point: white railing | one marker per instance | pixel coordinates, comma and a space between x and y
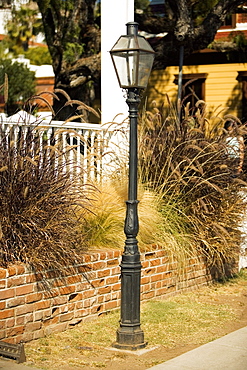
84, 146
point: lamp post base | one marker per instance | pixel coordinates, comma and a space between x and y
127, 340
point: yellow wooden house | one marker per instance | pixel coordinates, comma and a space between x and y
221, 86
216, 77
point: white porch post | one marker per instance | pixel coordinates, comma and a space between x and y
114, 16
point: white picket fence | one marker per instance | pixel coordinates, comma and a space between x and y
88, 149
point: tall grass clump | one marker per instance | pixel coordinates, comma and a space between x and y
39, 200
185, 163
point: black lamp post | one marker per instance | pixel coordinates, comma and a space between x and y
132, 57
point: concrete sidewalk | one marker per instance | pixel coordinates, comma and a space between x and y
226, 353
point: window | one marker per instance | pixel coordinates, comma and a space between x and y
230, 21
193, 87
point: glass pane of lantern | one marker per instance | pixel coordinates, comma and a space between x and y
122, 43
145, 66
144, 45
127, 68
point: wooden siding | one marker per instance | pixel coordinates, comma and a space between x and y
221, 88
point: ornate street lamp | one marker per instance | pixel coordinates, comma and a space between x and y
132, 57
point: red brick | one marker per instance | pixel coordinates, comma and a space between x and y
116, 287
104, 290
161, 291
149, 271
117, 253
25, 337
110, 254
104, 273
111, 280
155, 262
113, 262
98, 282
100, 299
23, 290
59, 300
14, 331
32, 326
16, 281
20, 269
71, 306
86, 303
34, 297
148, 295
160, 253
20, 320
75, 297
115, 271
3, 284
145, 279
8, 293
74, 279
164, 260
110, 305
58, 283
158, 285
67, 290
86, 258
149, 255
31, 278
99, 265
50, 321
29, 317
156, 277
103, 255
2, 305
41, 305
145, 264
2, 324
12, 271
10, 340
95, 257
107, 297
88, 293
67, 316
15, 301
51, 293
22, 310
2, 334
6, 313
3, 273
162, 268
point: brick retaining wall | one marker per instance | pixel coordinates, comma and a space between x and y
29, 311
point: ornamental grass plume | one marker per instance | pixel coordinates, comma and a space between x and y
39, 200
186, 163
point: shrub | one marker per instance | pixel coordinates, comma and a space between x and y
21, 83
